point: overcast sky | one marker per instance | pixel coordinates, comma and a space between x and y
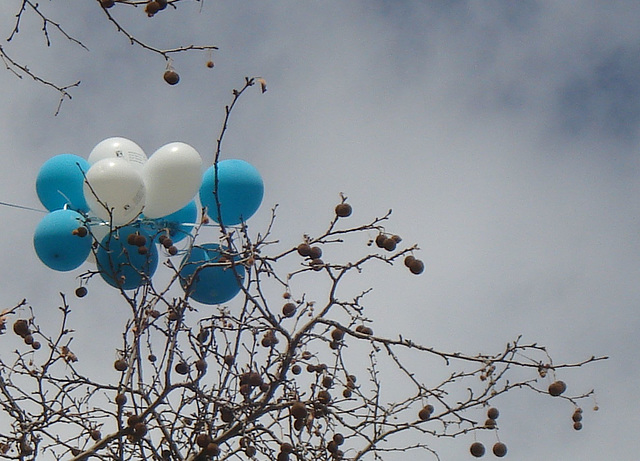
503, 134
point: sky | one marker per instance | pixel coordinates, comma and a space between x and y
504, 136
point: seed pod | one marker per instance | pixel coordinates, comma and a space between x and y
380, 239
556, 388
201, 366
324, 397
107, 3
133, 420
140, 429
212, 449
337, 334
338, 438
81, 292
343, 210
202, 440
499, 449
21, 327
477, 449
152, 8
210, 64
296, 369
162, 4
226, 414
121, 365
327, 382
172, 250
36, 345
416, 267
286, 447
493, 413
490, 423
171, 77
389, 244
425, 413
95, 434
121, 399
28, 340
131, 238
289, 310
255, 379
229, 360
577, 425
143, 250
81, 231
408, 260
182, 368
298, 410
304, 249
315, 252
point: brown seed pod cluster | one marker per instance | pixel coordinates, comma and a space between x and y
577, 419
492, 415
416, 266
334, 444
136, 427
313, 254
168, 245
22, 329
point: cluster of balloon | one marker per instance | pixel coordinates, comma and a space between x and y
126, 204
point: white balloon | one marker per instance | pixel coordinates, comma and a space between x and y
114, 190
118, 148
172, 177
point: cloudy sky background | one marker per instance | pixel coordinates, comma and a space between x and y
504, 136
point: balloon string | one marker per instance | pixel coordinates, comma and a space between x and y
12, 205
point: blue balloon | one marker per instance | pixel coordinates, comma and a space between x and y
121, 264
240, 191
210, 284
180, 223
59, 183
56, 244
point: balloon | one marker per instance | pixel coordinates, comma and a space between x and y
121, 264
119, 187
179, 223
172, 177
212, 284
118, 148
55, 243
240, 191
60, 181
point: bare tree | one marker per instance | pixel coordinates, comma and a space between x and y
110, 10
291, 368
